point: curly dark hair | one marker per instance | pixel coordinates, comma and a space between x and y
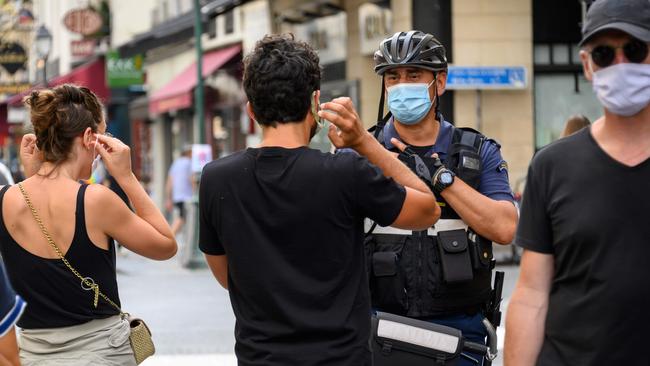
280, 76
59, 115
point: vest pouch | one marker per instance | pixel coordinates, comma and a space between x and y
454, 256
480, 251
469, 168
387, 284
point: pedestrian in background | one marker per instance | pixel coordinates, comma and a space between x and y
583, 297
180, 187
574, 124
11, 308
282, 224
66, 322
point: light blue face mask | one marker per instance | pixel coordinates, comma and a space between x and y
409, 102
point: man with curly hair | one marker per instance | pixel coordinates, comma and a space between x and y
282, 224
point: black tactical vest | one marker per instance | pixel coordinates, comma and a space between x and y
444, 270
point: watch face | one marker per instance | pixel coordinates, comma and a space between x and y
445, 178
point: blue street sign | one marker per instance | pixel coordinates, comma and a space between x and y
486, 77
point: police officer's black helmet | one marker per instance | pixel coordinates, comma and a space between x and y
413, 48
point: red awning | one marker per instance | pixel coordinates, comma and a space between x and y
4, 125
177, 94
91, 75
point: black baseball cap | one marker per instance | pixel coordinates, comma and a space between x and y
629, 16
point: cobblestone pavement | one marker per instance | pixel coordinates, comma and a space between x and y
189, 313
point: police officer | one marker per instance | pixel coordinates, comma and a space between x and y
442, 275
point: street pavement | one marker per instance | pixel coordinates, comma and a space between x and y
190, 314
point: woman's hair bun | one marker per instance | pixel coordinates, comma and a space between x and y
42, 106
59, 115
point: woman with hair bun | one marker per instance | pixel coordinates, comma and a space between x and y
65, 321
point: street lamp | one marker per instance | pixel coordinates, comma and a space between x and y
43, 48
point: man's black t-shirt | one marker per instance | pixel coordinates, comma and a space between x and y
291, 223
592, 214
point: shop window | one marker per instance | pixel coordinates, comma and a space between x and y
155, 17
212, 28
556, 54
561, 54
229, 26
557, 97
164, 6
575, 54
560, 89
542, 54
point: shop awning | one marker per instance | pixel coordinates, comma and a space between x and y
177, 94
4, 125
91, 75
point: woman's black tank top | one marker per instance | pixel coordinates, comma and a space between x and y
54, 295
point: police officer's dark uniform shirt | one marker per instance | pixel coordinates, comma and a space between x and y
494, 175
592, 214
291, 224
11, 305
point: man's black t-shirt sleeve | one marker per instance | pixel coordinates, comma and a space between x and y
534, 231
209, 242
378, 198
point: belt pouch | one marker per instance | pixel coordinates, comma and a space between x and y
388, 287
481, 251
455, 256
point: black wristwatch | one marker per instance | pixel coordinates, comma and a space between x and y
442, 179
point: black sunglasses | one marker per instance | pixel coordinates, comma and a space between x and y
635, 51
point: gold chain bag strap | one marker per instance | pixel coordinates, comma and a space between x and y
140, 336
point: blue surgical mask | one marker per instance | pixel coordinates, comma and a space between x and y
409, 102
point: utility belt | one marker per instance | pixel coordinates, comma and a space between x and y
442, 270
441, 225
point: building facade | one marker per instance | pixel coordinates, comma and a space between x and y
538, 39
159, 117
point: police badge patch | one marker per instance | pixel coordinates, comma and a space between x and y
503, 165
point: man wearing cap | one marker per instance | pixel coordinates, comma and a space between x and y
583, 295
443, 274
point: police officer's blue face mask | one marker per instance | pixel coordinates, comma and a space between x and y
409, 102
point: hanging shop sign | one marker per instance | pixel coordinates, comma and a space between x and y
83, 48
374, 25
12, 57
17, 114
201, 155
14, 88
83, 21
123, 72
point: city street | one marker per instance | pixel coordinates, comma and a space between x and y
245, 104
189, 313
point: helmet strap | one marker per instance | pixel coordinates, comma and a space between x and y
435, 91
380, 112
381, 119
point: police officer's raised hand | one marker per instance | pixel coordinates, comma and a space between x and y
347, 129
116, 156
